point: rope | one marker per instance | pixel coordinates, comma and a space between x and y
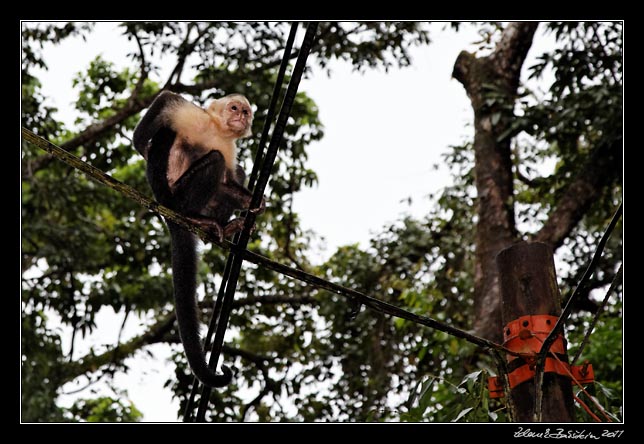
373, 303
547, 343
262, 181
212, 326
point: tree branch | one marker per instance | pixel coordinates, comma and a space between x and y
157, 333
182, 53
95, 130
512, 49
269, 385
600, 170
144, 69
184, 50
92, 362
301, 300
525, 179
256, 359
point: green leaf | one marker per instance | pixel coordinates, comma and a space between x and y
462, 413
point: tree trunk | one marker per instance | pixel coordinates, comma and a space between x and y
491, 83
528, 286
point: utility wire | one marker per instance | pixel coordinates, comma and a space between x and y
369, 301
258, 195
547, 343
212, 326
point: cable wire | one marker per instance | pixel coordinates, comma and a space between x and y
258, 194
212, 326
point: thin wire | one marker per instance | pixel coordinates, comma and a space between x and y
583, 404
212, 326
575, 381
579, 384
264, 176
616, 280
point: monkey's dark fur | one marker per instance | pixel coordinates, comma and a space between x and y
208, 193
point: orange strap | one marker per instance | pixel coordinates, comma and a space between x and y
525, 335
526, 372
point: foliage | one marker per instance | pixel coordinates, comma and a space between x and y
301, 354
604, 351
40, 368
103, 409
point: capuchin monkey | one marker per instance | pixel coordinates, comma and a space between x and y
192, 168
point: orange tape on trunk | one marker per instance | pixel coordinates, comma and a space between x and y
527, 333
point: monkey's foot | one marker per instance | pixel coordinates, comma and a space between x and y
260, 209
209, 226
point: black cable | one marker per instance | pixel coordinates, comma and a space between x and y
369, 301
258, 195
547, 343
187, 414
273, 105
578, 290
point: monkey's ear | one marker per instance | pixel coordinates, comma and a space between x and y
214, 106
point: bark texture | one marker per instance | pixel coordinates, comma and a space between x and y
529, 287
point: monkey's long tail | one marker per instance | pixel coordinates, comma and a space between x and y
184, 277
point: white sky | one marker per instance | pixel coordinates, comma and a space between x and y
383, 133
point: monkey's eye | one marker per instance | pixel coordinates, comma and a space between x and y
245, 112
234, 107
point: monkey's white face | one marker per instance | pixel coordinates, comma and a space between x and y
234, 113
238, 116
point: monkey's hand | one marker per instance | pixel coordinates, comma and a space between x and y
210, 226
260, 209
235, 226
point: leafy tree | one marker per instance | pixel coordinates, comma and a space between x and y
87, 248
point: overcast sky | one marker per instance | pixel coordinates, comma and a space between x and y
376, 153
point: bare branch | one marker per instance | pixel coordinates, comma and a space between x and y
156, 333
275, 300
268, 385
144, 70
91, 362
256, 359
95, 130
184, 49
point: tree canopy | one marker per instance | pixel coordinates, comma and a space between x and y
303, 353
